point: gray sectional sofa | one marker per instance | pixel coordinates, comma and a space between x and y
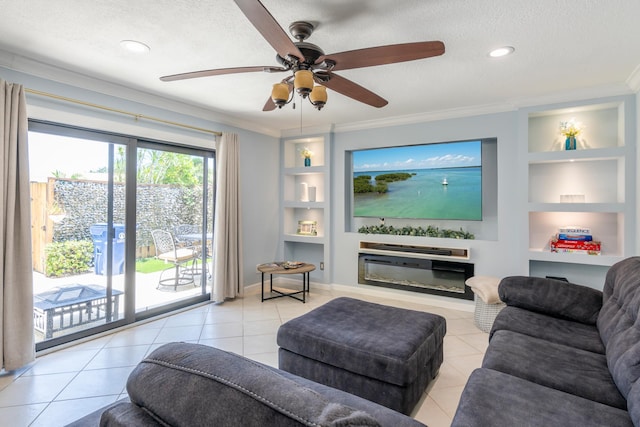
182, 384
560, 354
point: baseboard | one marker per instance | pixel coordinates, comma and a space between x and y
395, 294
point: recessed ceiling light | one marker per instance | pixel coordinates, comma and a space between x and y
134, 46
501, 51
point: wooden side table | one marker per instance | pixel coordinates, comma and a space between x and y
277, 268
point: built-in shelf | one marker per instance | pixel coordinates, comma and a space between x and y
576, 155
577, 207
601, 260
304, 197
304, 170
597, 178
317, 240
303, 205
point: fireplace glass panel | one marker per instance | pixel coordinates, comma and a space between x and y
440, 277
450, 281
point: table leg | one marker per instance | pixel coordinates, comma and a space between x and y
49, 324
304, 285
262, 288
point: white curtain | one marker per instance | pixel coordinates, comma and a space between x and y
227, 236
16, 289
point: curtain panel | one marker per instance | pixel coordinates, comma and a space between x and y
227, 236
16, 288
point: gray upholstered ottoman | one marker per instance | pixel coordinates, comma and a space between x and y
385, 354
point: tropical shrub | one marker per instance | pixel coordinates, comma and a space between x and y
68, 258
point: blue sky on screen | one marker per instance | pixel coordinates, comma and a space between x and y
427, 156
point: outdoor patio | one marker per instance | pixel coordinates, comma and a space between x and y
147, 297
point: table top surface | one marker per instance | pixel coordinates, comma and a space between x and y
70, 294
278, 268
194, 236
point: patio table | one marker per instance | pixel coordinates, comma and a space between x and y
70, 306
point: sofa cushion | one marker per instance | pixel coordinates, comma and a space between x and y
127, 414
619, 323
552, 297
387, 343
633, 403
493, 398
184, 384
557, 366
553, 329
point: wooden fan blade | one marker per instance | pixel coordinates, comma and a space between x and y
266, 24
354, 90
217, 72
270, 105
381, 55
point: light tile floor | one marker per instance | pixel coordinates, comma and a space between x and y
64, 385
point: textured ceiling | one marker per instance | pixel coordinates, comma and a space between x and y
562, 47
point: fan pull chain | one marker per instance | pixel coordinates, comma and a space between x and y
301, 117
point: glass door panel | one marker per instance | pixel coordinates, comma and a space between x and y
78, 234
173, 240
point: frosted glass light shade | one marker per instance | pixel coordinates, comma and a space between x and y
303, 82
318, 96
280, 94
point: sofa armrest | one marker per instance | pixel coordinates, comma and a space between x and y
552, 297
193, 384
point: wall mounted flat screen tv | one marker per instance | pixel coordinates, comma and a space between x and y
427, 181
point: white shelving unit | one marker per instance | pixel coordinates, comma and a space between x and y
598, 176
294, 207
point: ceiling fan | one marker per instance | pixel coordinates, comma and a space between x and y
309, 64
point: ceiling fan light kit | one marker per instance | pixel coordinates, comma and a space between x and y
303, 82
318, 96
309, 64
280, 94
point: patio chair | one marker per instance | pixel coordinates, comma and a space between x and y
167, 251
191, 235
187, 234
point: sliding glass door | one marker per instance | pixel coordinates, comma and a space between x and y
121, 230
174, 212
78, 232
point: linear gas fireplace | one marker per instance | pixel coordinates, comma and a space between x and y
418, 274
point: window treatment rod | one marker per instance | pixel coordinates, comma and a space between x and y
118, 111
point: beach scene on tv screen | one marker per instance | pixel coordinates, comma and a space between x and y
429, 181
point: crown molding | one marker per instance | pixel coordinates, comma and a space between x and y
595, 92
63, 76
76, 80
312, 130
509, 105
634, 80
431, 116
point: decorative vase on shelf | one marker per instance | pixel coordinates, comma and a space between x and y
307, 161
570, 143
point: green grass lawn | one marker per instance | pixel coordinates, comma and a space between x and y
152, 265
